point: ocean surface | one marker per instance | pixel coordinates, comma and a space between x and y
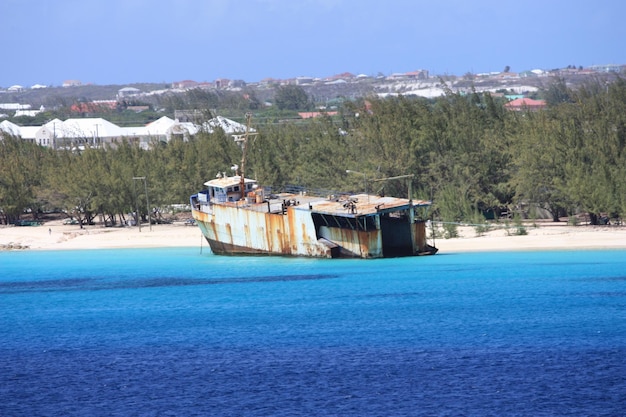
177, 332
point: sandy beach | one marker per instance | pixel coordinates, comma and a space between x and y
539, 236
55, 235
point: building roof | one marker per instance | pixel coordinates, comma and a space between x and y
15, 106
227, 125
312, 114
102, 128
52, 124
160, 126
522, 103
135, 131
10, 128
223, 182
165, 126
28, 113
88, 128
29, 132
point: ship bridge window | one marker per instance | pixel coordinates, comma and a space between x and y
219, 194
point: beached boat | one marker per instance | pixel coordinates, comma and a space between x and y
238, 216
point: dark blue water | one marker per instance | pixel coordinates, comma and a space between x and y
172, 332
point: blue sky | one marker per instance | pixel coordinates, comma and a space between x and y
127, 41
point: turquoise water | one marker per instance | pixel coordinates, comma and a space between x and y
173, 332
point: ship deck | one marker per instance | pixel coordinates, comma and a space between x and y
344, 205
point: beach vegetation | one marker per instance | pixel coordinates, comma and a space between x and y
466, 152
517, 228
481, 226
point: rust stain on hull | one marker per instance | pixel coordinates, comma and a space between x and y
260, 233
296, 225
293, 235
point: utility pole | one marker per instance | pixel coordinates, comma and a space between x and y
398, 178
350, 171
136, 204
145, 186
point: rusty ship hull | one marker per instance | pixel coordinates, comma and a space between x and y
237, 218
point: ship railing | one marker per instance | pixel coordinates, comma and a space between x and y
315, 192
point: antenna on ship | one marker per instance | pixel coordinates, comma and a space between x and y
243, 139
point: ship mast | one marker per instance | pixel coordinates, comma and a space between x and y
244, 143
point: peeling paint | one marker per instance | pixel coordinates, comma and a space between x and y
358, 226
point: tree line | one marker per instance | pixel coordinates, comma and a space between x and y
467, 153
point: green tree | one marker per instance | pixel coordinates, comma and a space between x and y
73, 183
292, 97
597, 148
558, 93
21, 168
539, 163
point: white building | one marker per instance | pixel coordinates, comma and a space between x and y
95, 132
15, 106
128, 92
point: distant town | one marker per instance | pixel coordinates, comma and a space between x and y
347, 77
20, 105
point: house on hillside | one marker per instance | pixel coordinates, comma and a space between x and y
222, 83
507, 76
192, 116
523, 104
396, 76
191, 84
607, 68
14, 106
236, 84
86, 108
72, 83
184, 84
313, 114
266, 82
29, 112
418, 75
304, 80
126, 92
343, 76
